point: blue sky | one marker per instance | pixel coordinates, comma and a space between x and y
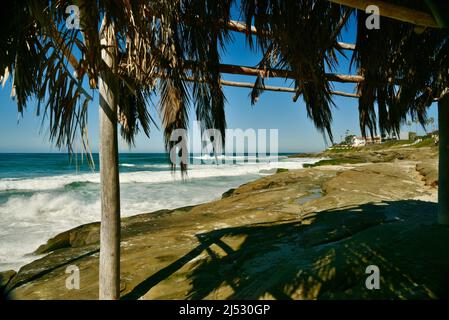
273, 110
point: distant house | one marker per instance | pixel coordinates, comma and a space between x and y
404, 135
408, 135
358, 142
374, 140
361, 141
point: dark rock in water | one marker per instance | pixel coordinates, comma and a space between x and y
5, 278
228, 193
280, 170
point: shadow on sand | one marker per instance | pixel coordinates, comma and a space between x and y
323, 256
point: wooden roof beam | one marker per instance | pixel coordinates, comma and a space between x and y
241, 27
265, 88
393, 11
279, 89
279, 73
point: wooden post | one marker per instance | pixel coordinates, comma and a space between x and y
109, 273
443, 166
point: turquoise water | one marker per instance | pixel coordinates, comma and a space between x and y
44, 194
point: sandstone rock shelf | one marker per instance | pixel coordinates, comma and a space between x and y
301, 234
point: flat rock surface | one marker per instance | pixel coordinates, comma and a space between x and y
303, 234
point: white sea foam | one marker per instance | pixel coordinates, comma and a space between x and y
128, 165
194, 172
47, 183
239, 157
28, 221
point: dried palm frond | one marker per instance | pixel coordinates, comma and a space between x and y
188, 31
257, 90
174, 112
50, 62
302, 38
403, 71
60, 66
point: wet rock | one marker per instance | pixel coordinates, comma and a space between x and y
228, 193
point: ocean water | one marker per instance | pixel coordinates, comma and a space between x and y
42, 195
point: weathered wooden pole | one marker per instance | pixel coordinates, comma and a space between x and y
109, 272
443, 165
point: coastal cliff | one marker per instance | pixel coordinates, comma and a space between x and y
298, 234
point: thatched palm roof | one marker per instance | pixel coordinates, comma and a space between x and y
162, 45
404, 67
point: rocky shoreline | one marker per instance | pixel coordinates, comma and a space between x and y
299, 234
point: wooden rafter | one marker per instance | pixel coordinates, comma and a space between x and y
251, 71
250, 85
279, 89
241, 27
393, 11
287, 74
